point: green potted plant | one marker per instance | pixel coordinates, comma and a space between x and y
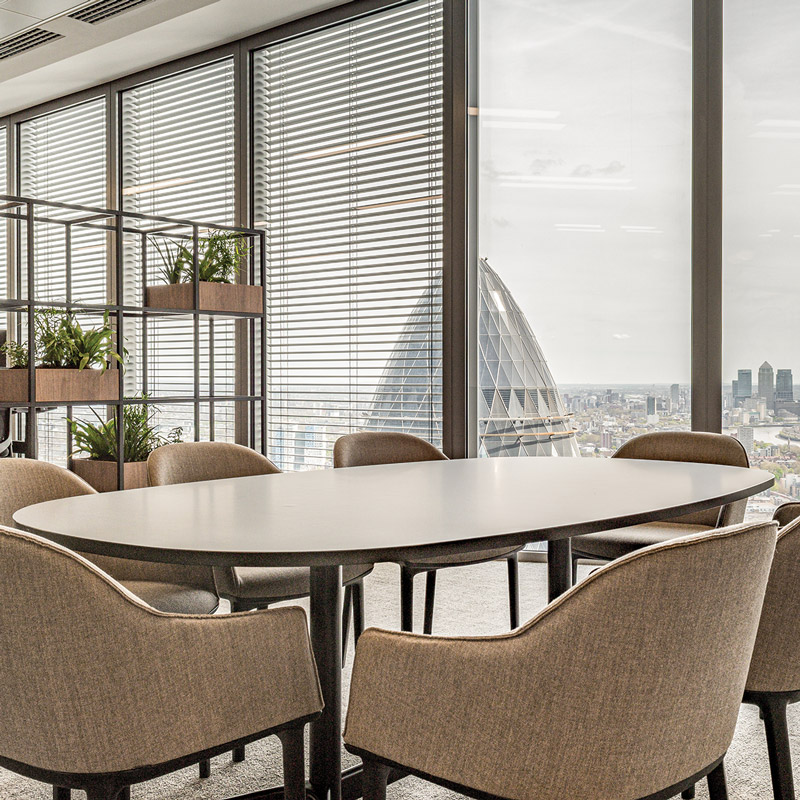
71, 361
96, 447
219, 259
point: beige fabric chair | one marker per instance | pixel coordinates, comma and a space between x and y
774, 679
690, 446
124, 693
594, 698
172, 588
247, 588
244, 587
369, 448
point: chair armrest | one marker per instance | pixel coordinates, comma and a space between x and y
611, 675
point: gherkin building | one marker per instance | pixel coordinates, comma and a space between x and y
520, 411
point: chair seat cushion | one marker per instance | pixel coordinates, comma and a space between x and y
460, 559
608, 545
274, 583
174, 598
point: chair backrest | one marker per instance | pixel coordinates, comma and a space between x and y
188, 462
699, 448
775, 666
368, 448
26, 481
94, 681
622, 687
786, 513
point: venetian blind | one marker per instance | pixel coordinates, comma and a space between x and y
177, 143
348, 184
62, 158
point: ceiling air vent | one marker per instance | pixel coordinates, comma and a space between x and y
27, 40
104, 9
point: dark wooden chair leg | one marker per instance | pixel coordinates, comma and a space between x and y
347, 604
294, 764
374, 780
513, 590
574, 569
236, 606
688, 794
717, 785
205, 768
406, 599
124, 794
780, 757
61, 793
430, 599
358, 610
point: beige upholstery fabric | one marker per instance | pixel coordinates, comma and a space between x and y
594, 698
786, 513
691, 446
189, 462
776, 658
24, 482
369, 448
255, 583
616, 543
95, 681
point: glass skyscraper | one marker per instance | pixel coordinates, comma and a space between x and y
520, 411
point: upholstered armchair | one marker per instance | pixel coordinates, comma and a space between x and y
368, 448
593, 698
123, 693
690, 446
774, 679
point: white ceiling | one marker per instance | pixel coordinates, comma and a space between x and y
145, 36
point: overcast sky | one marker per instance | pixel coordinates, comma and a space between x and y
585, 179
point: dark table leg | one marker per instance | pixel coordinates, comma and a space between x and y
326, 640
559, 567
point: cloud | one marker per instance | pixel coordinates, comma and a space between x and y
620, 336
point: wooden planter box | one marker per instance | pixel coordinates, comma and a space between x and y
102, 475
213, 297
60, 385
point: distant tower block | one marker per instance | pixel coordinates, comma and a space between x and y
520, 411
784, 388
766, 384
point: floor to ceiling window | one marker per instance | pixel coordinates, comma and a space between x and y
177, 146
348, 183
4, 225
62, 158
584, 237
761, 328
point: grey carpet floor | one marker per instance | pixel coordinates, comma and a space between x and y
470, 600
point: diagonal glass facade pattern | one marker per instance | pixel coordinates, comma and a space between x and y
520, 411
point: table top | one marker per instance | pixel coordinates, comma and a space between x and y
382, 513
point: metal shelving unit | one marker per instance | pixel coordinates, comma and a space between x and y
27, 213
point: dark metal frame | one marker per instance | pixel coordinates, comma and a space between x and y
31, 212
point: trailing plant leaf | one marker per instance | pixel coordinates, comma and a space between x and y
99, 440
61, 341
219, 258
15, 353
174, 261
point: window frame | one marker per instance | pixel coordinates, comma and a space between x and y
459, 373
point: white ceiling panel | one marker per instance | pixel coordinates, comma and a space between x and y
11, 22
40, 9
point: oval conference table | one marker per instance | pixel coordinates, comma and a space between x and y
327, 518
